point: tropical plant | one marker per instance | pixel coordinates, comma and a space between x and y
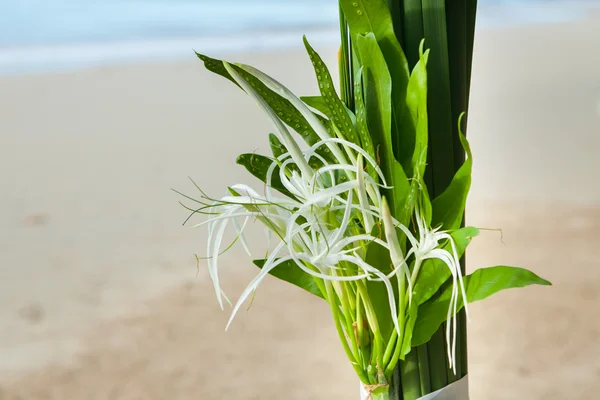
350, 204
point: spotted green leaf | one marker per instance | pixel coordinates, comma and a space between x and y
282, 107
258, 166
335, 108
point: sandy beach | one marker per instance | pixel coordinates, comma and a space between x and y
100, 296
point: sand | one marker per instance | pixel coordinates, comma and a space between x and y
100, 297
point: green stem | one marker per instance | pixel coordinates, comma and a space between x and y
402, 297
340, 330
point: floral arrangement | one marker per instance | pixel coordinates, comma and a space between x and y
347, 204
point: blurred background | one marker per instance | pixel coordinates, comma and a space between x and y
104, 108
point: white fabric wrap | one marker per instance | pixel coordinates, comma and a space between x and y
458, 390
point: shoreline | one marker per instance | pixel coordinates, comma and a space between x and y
57, 58
98, 281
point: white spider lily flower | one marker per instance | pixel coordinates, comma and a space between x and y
427, 247
248, 204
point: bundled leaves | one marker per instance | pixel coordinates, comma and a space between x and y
351, 207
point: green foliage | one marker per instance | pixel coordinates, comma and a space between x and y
481, 284
377, 90
289, 272
449, 207
258, 166
282, 107
334, 108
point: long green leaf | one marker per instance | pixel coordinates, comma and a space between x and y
377, 84
479, 285
282, 107
449, 207
373, 17
362, 124
289, 272
336, 109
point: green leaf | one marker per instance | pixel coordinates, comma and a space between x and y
277, 148
336, 109
258, 166
435, 273
479, 285
449, 207
281, 106
316, 102
362, 125
289, 272
377, 86
373, 17
416, 98
441, 125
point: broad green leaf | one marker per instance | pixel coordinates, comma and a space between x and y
258, 166
282, 107
377, 86
449, 207
336, 109
289, 272
479, 285
366, 17
435, 273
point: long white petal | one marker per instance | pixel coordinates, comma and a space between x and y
270, 264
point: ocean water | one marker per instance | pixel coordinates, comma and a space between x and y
44, 35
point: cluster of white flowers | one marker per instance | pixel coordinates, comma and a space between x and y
327, 222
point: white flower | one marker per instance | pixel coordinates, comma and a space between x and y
427, 247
